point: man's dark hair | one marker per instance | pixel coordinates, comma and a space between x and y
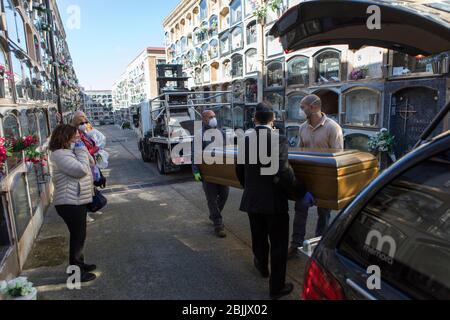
61, 137
264, 114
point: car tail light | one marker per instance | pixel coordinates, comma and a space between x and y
319, 285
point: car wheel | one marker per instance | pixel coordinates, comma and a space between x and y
161, 162
145, 157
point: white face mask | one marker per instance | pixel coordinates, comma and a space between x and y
213, 123
83, 128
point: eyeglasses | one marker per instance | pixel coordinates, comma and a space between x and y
83, 123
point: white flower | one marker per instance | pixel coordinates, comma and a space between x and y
3, 287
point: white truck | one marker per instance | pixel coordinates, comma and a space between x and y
168, 121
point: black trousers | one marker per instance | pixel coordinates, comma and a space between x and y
217, 197
270, 234
75, 219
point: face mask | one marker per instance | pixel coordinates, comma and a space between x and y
213, 123
83, 128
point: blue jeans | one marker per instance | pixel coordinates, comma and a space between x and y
216, 196
301, 219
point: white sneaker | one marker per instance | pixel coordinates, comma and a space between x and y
89, 219
99, 213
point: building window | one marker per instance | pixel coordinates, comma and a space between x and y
251, 91
362, 108
198, 76
227, 69
33, 186
236, 11
251, 63
5, 241
5, 81
273, 15
205, 52
12, 133
189, 59
43, 129
203, 10
238, 92
184, 45
237, 39
19, 78
213, 49
238, 117
250, 6
274, 46
16, 25
171, 52
37, 48
328, 66
53, 119
294, 112
214, 26
237, 66
276, 101
298, 71
251, 33
404, 64
215, 71
206, 71
167, 37
225, 18
198, 36
274, 77
21, 205
225, 44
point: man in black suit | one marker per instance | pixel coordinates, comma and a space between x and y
266, 201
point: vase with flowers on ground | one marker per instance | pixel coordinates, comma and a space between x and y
18, 289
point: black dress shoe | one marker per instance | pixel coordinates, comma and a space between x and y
288, 288
87, 277
264, 271
88, 267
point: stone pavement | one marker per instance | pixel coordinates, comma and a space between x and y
154, 241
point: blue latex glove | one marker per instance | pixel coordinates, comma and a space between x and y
309, 200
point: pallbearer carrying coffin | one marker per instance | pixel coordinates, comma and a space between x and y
216, 195
319, 132
266, 200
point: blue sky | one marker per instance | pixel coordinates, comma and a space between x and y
111, 34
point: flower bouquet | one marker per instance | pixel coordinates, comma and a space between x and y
5, 152
18, 289
358, 74
383, 142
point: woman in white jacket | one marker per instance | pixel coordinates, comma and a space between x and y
72, 180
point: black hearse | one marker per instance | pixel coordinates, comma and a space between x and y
393, 240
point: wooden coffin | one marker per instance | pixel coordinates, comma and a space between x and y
335, 177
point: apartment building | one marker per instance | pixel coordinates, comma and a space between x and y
99, 107
138, 82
